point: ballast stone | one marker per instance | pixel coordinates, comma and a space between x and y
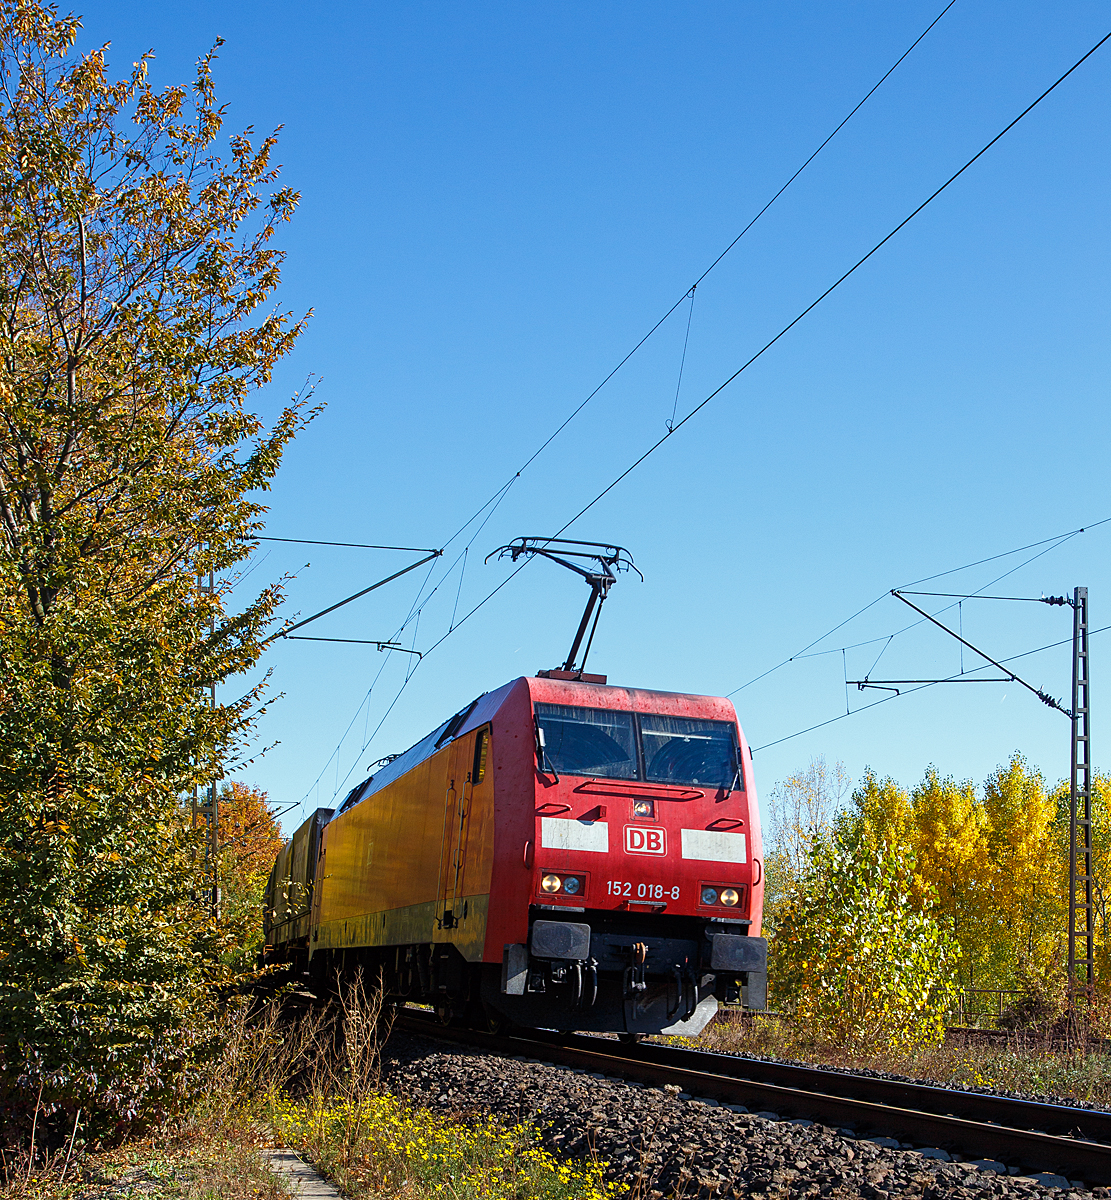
663, 1147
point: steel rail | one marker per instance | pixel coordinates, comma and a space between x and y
1062, 1119
970, 1123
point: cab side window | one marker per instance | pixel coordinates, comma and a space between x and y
481, 749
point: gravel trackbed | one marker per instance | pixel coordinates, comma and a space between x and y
665, 1144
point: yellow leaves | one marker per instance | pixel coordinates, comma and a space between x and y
987, 862
883, 812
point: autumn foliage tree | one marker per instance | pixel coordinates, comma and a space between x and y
250, 839
801, 809
135, 267
988, 864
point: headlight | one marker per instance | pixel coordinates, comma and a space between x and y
571, 885
730, 896
644, 808
551, 883
710, 896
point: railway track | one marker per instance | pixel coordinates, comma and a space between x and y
1073, 1142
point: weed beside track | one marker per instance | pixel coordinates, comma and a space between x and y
1018, 1065
383, 1147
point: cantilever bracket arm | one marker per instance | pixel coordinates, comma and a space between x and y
297, 637
284, 633
1011, 677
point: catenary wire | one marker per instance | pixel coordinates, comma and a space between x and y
773, 341
499, 495
413, 667
1017, 550
838, 282
683, 358
768, 345
991, 583
1058, 542
716, 261
1055, 542
911, 691
804, 652
366, 697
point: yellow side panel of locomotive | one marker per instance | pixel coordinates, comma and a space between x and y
412, 862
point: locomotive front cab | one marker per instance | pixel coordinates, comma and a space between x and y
644, 864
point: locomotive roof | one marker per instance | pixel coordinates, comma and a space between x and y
550, 691
478, 712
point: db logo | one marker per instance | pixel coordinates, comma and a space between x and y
642, 840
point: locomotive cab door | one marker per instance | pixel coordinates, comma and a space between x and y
468, 756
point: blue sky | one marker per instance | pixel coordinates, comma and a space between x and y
498, 200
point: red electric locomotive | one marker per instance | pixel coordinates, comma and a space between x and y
560, 853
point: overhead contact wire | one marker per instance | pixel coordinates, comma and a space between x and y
767, 346
500, 494
690, 290
1058, 541
911, 691
1058, 538
838, 282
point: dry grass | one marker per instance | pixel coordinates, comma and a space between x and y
1020, 1062
308, 1077
213, 1148
327, 1102
189, 1160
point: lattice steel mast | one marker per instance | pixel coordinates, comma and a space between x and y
1081, 946
1081, 911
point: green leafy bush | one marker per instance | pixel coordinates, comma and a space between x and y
854, 960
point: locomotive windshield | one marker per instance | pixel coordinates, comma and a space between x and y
589, 741
679, 750
618, 745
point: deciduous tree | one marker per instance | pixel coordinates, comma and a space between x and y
1022, 867
801, 809
950, 847
250, 839
135, 267
880, 813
